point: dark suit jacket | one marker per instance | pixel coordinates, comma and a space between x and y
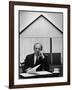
29, 62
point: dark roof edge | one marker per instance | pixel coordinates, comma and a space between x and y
52, 24
38, 18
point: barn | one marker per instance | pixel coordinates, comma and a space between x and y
42, 30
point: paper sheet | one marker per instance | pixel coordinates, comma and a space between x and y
27, 74
33, 69
43, 72
36, 73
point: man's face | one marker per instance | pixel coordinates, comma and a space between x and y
37, 49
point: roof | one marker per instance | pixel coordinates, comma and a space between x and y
37, 19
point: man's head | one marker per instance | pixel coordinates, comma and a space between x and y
37, 48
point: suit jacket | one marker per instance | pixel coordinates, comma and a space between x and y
29, 62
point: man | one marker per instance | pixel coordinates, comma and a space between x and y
38, 58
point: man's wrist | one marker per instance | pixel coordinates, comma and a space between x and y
42, 56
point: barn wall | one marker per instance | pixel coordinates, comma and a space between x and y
27, 17
40, 31
57, 46
26, 46
41, 28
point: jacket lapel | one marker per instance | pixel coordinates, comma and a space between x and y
32, 59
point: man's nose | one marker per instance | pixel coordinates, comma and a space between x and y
37, 49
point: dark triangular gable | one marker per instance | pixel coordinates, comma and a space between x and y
37, 19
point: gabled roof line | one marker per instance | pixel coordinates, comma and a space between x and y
30, 24
38, 18
52, 24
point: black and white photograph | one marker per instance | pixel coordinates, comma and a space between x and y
39, 44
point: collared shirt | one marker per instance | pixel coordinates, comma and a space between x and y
35, 58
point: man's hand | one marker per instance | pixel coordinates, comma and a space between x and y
41, 54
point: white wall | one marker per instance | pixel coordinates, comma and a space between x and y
4, 46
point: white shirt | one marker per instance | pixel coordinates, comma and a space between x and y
36, 57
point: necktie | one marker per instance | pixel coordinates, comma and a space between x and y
37, 60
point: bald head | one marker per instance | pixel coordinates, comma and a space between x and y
37, 48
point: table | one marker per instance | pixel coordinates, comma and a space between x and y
39, 74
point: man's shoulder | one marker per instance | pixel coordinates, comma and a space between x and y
29, 55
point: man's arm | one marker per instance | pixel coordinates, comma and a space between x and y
26, 64
44, 62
